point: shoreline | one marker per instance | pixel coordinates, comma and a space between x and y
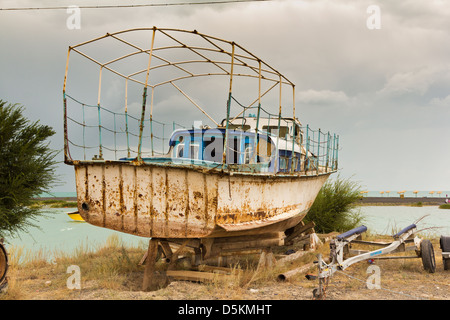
397, 201
375, 201
71, 199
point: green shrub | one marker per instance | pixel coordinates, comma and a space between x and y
27, 168
444, 206
335, 206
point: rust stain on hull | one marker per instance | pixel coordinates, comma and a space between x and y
170, 202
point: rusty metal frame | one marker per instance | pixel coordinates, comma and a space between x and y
230, 57
253, 65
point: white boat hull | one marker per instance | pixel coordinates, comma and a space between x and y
162, 201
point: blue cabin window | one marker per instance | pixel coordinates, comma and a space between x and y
283, 163
194, 148
207, 145
179, 151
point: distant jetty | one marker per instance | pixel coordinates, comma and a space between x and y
398, 201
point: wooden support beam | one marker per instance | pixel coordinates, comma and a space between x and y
291, 257
195, 275
166, 249
206, 268
289, 274
176, 254
149, 283
266, 259
297, 231
242, 244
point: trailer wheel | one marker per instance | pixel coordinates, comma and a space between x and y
427, 254
3, 266
445, 246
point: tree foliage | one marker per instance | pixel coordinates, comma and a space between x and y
334, 207
26, 167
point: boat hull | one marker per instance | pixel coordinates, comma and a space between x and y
162, 201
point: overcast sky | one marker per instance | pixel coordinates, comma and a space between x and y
385, 91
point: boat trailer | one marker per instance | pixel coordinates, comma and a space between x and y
340, 248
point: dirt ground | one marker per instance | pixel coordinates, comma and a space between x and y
400, 279
412, 284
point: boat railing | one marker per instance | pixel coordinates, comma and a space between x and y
98, 133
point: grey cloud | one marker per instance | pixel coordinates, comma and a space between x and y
385, 91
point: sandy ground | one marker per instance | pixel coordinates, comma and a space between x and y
403, 279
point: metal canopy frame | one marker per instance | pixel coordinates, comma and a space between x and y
222, 57
252, 66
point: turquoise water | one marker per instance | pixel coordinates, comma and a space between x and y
390, 219
58, 194
57, 231
392, 193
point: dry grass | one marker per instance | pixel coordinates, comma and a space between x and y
111, 271
53, 203
38, 276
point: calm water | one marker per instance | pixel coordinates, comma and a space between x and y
59, 232
390, 219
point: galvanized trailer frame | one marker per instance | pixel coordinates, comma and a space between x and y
340, 246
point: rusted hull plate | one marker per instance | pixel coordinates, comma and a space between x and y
169, 202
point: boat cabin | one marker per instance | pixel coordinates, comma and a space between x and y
205, 147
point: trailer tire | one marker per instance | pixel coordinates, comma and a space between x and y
3, 266
445, 246
427, 254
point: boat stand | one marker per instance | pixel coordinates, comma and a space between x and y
212, 255
340, 248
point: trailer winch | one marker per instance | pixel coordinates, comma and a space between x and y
340, 248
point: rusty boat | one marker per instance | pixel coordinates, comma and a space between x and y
244, 166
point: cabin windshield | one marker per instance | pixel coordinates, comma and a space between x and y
207, 145
281, 132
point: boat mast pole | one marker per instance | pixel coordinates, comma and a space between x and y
256, 145
100, 150
277, 155
151, 122
126, 117
144, 96
225, 144
66, 137
294, 126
